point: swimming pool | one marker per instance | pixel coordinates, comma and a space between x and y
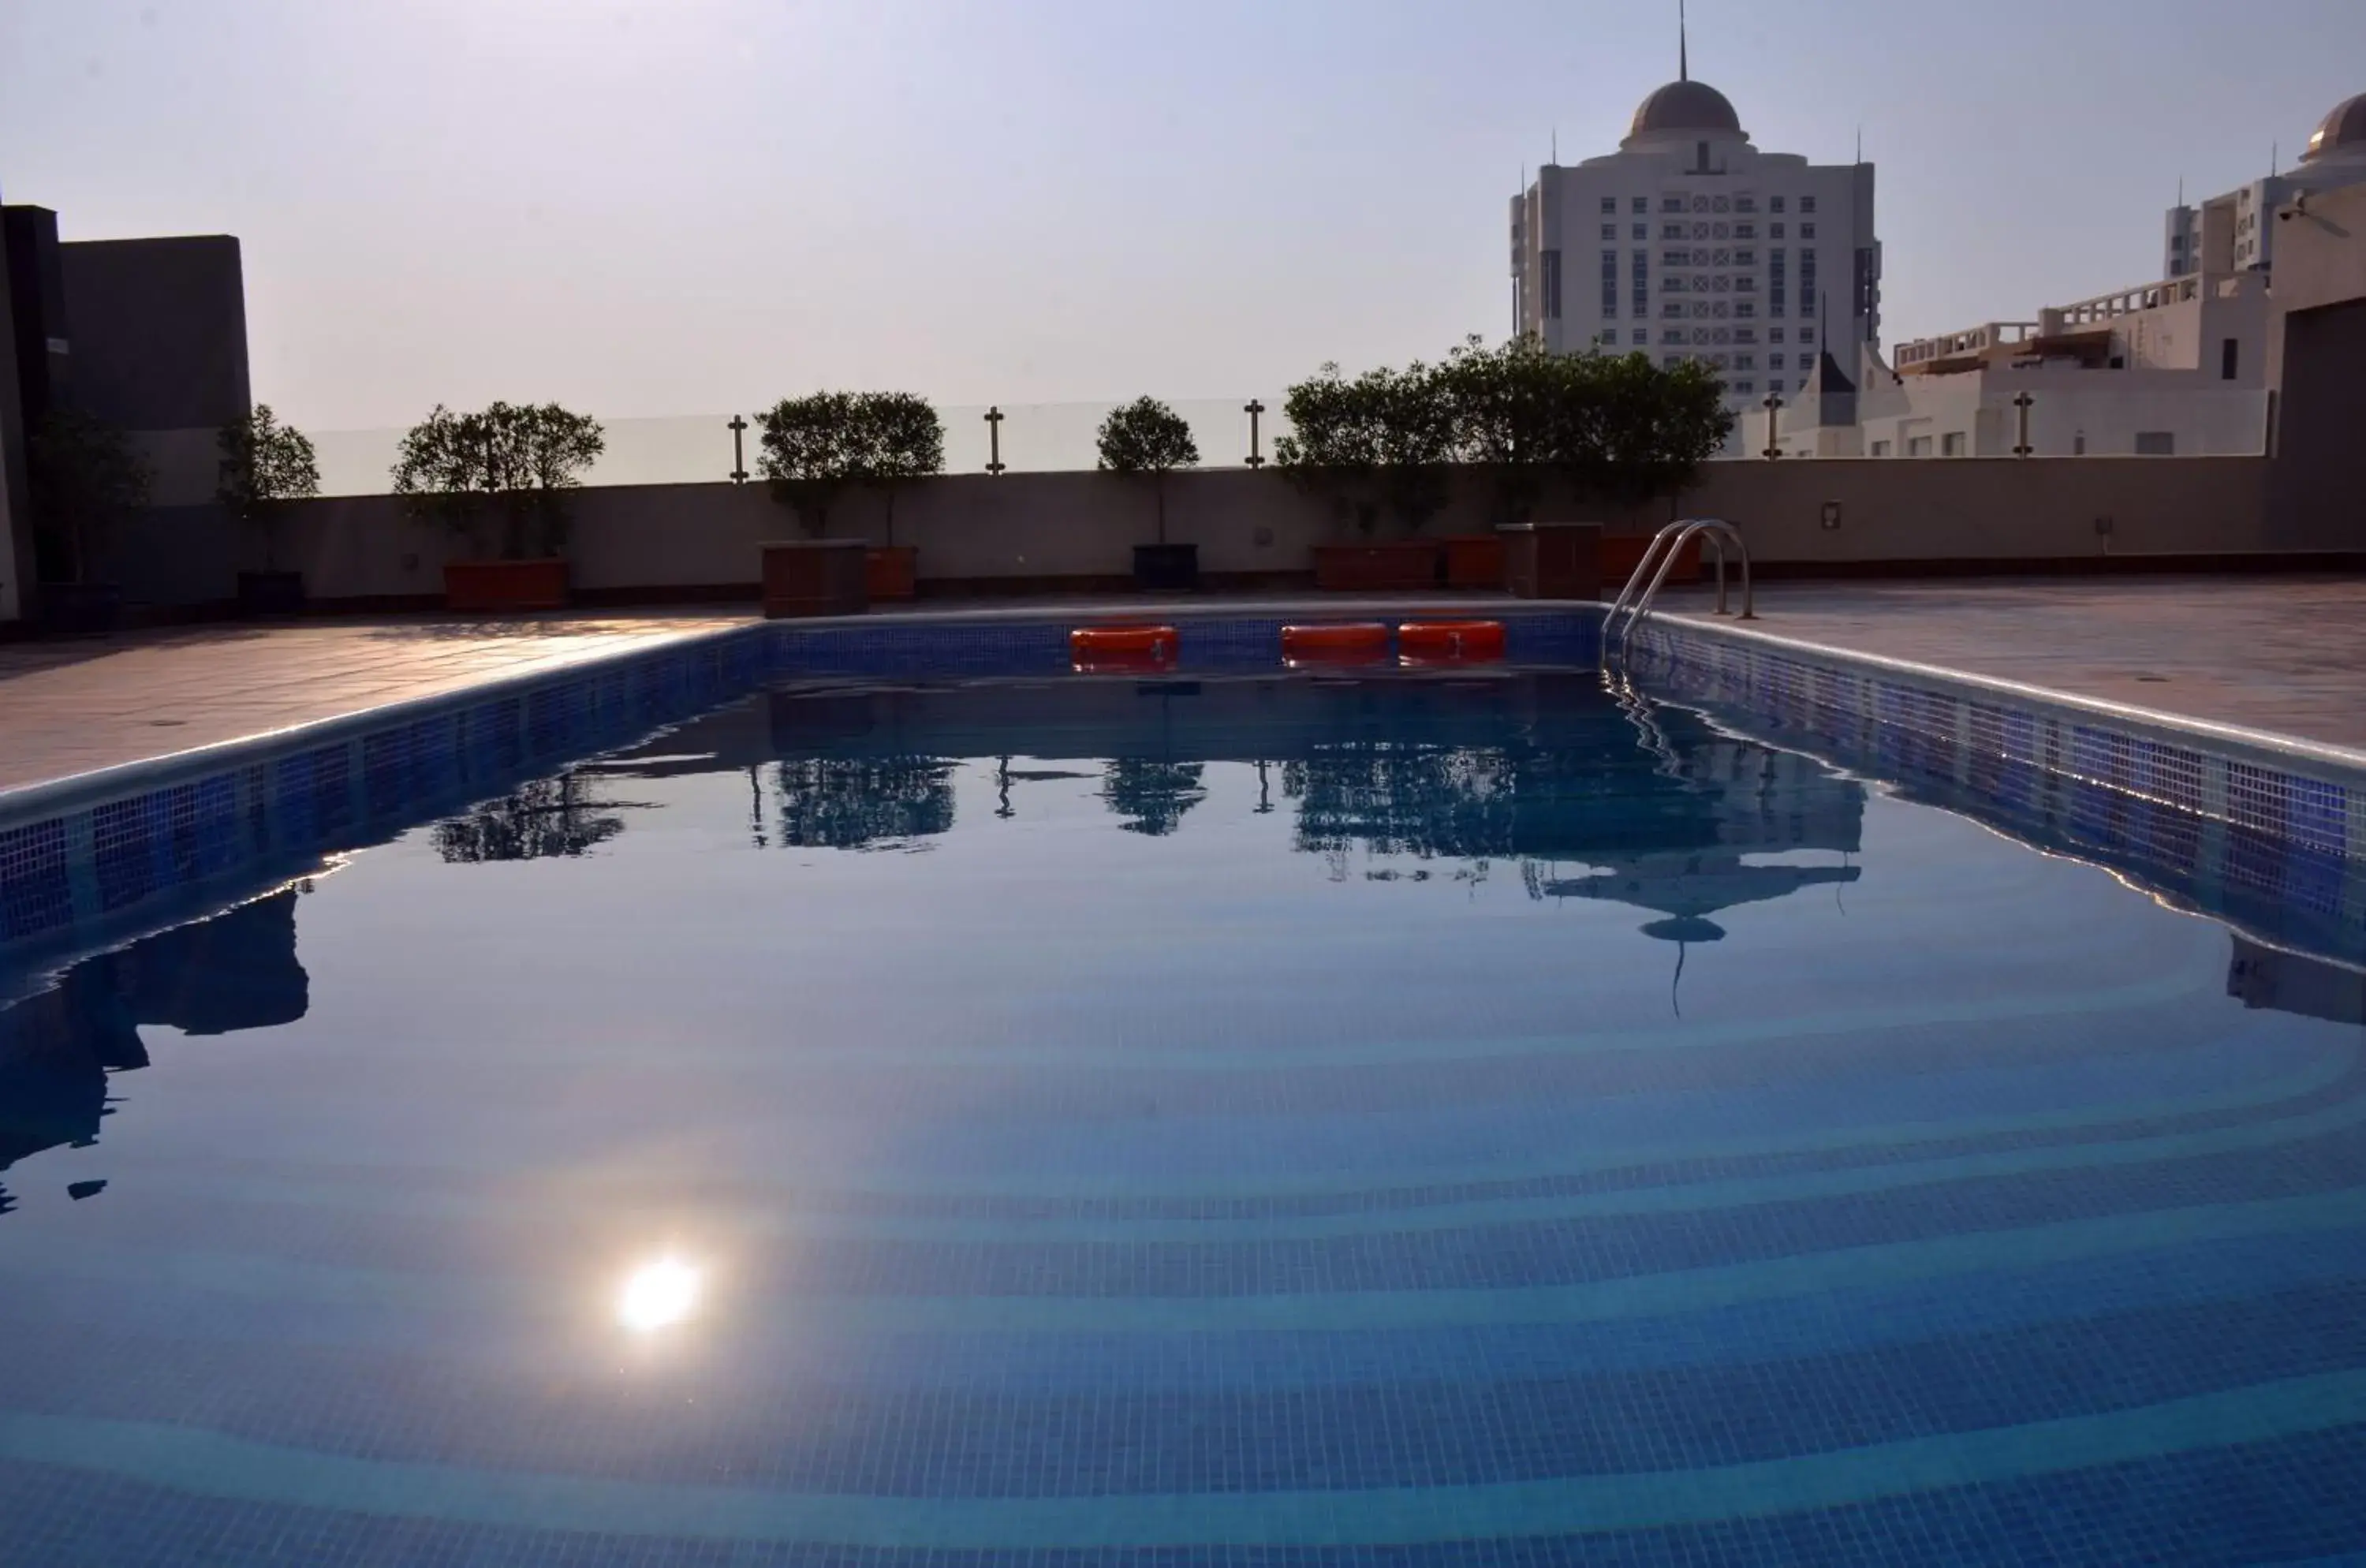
934, 1108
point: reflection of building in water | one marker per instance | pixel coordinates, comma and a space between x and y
236, 971
2289, 982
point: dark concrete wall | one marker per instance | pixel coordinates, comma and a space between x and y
2320, 472
159, 330
15, 499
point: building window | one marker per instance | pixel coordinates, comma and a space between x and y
1745, 307
1745, 362
1675, 258
1700, 203
1881, 448
1807, 231
1745, 204
1773, 204
1745, 387
1552, 285
1610, 206
1672, 204
1673, 308
1918, 447
1673, 232
1610, 284
1672, 334
1807, 204
1745, 230
1640, 337
1744, 335
1745, 257
1774, 362
1720, 258
1642, 232
1745, 285
1719, 204
1641, 281
1951, 444
2155, 444
1775, 294
1700, 231
2229, 357
1672, 285
1701, 309
1807, 282
1610, 231
1774, 230
1774, 334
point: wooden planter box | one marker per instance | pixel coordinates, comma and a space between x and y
1621, 552
1553, 560
816, 577
1474, 561
504, 587
892, 571
1380, 568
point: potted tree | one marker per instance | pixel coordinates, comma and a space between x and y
809, 449
1381, 441
264, 465
498, 478
1147, 439
1502, 402
84, 478
898, 439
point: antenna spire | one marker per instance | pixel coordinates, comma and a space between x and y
1860, 143
1556, 146
1684, 49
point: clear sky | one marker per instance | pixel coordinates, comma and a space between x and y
672, 207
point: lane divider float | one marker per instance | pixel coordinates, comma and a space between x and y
1459, 642
1338, 642
1094, 649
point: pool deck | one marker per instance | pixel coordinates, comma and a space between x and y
2286, 655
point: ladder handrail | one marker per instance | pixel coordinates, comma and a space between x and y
1675, 536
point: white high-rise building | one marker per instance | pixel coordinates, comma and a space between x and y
1690, 243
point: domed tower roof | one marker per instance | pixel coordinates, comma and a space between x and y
2344, 129
1683, 107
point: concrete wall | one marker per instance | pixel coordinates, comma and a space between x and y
1022, 529
2316, 346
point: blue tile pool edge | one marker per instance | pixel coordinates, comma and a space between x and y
2296, 791
86, 856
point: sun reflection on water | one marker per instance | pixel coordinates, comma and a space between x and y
660, 1292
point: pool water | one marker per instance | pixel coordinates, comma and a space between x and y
1447, 1120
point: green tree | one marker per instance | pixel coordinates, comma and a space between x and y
898, 437
1147, 438
84, 479
1332, 444
1504, 406
518, 461
263, 463
1414, 419
812, 448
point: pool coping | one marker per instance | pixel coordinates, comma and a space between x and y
2308, 793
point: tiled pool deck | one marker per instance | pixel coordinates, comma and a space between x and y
2286, 655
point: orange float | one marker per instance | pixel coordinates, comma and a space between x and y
1122, 648
1343, 642
1450, 641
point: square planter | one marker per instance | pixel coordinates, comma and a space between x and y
1553, 560
504, 587
1400, 564
892, 571
1474, 561
271, 592
1622, 552
79, 608
1166, 569
816, 577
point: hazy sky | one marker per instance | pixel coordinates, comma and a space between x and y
672, 206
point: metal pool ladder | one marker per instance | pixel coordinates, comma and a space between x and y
1675, 536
